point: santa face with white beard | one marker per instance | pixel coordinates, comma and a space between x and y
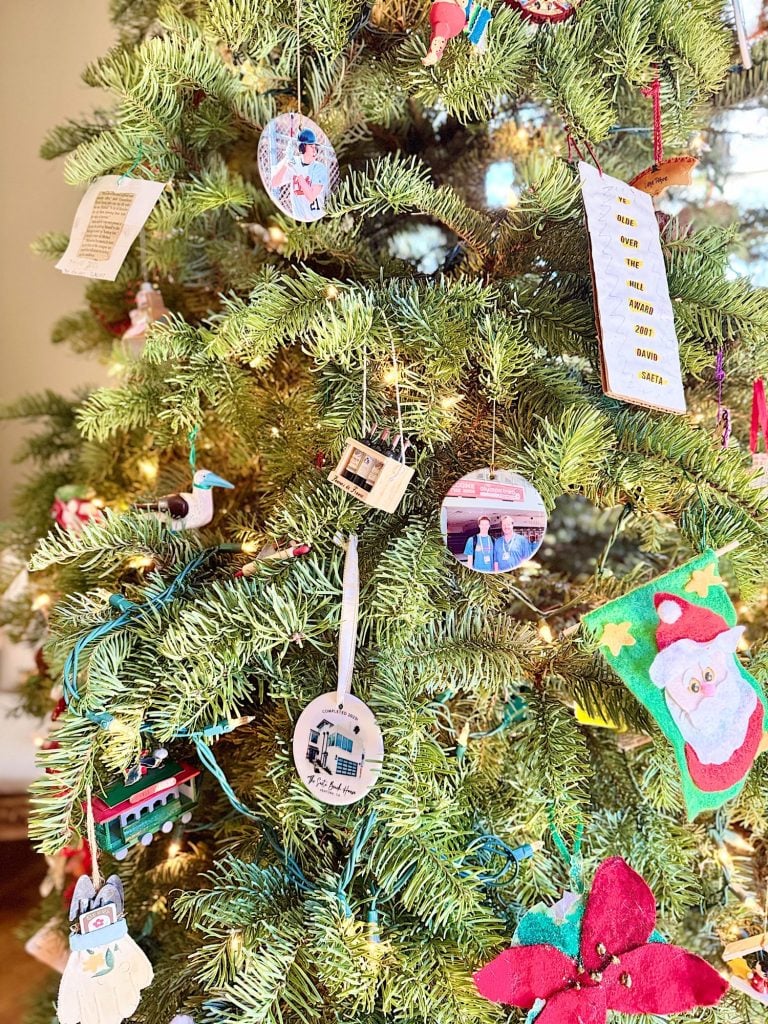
708, 698
715, 708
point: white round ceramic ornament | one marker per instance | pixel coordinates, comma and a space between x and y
337, 744
298, 166
338, 749
493, 520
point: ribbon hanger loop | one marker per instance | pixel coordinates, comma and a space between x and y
137, 160
350, 605
192, 438
653, 91
572, 858
759, 421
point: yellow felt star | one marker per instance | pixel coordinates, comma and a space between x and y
598, 721
617, 635
701, 580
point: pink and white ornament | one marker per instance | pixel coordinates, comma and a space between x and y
74, 506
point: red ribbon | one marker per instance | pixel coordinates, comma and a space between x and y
759, 416
573, 146
654, 91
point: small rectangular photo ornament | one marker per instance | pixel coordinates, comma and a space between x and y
370, 476
747, 961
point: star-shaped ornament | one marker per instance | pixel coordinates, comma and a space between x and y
616, 636
701, 580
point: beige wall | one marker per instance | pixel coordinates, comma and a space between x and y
46, 44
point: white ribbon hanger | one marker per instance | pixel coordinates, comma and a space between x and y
350, 604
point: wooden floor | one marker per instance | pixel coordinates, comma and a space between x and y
21, 871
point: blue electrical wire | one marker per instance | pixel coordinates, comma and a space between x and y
208, 758
361, 838
487, 845
128, 612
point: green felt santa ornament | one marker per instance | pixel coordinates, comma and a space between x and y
673, 642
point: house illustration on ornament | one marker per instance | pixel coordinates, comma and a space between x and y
336, 751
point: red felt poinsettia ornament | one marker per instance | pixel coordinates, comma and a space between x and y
618, 968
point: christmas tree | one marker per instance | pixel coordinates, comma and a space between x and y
522, 743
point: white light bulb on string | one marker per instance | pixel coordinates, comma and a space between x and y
118, 728
148, 469
141, 562
276, 235
725, 858
545, 632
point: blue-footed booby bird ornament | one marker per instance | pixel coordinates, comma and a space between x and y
188, 510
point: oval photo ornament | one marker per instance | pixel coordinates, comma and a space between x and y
493, 522
298, 166
338, 749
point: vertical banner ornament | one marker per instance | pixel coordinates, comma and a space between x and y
639, 355
673, 642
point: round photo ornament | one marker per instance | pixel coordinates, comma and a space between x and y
337, 743
492, 520
338, 748
298, 166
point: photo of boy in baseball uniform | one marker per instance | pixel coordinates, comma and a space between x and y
298, 166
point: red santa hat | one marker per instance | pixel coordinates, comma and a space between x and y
680, 620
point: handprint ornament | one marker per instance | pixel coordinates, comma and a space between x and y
106, 970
